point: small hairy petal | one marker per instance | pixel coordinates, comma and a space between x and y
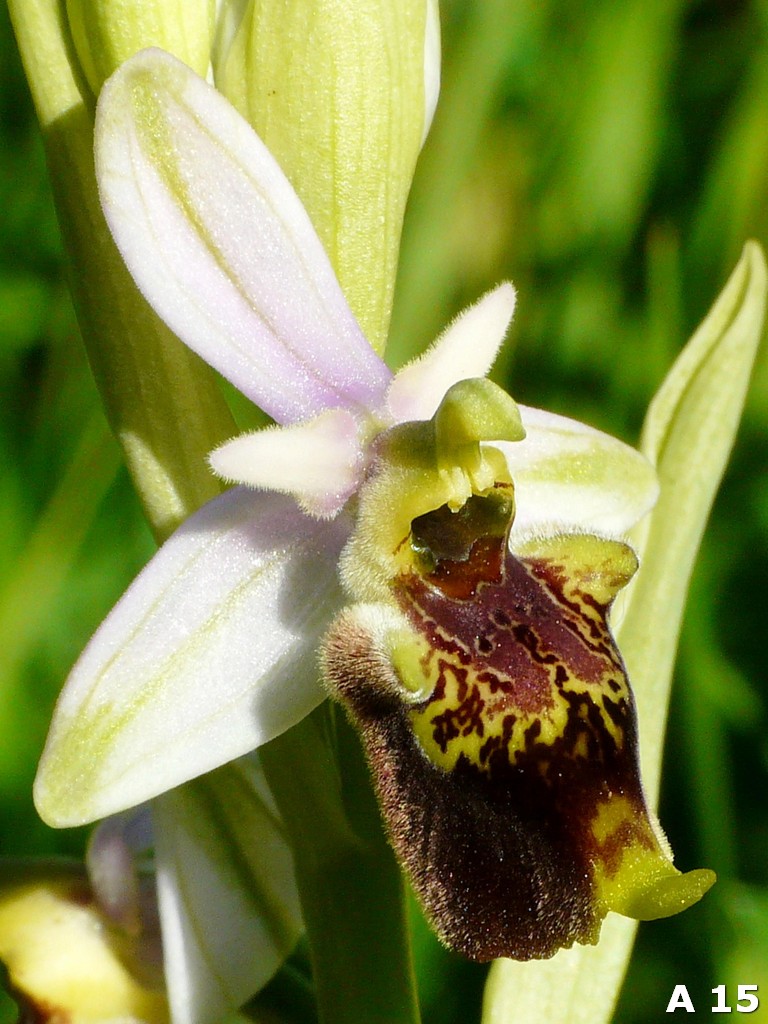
210, 652
466, 348
569, 476
220, 245
319, 462
228, 898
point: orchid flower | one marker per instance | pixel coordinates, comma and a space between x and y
459, 554
181, 915
66, 956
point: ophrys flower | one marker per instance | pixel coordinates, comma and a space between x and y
406, 482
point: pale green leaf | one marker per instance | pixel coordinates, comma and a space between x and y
688, 435
577, 986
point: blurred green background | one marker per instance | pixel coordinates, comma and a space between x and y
609, 158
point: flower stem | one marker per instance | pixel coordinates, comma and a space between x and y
350, 885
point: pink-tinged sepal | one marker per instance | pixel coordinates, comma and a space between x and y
221, 247
501, 732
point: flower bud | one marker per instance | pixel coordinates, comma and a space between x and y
107, 32
342, 94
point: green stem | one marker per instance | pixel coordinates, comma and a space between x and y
162, 402
289, 996
350, 885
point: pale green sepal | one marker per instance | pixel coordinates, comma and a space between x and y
569, 476
688, 434
336, 91
228, 898
108, 32
577, 986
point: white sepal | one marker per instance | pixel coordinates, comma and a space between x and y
432, 62
209, 653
